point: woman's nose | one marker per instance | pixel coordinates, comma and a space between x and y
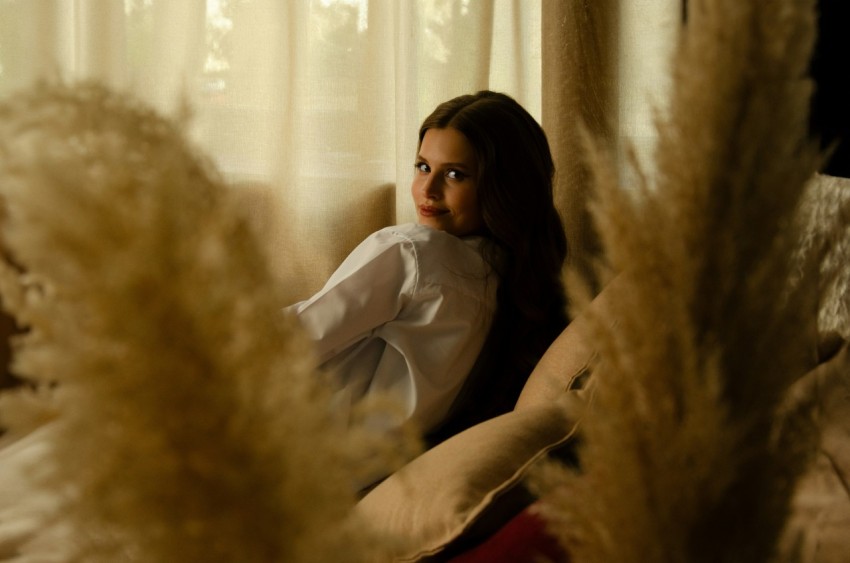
432, 186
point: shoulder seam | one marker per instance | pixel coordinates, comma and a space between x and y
409, 243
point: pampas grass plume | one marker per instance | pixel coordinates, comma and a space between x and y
685, 455
187, 422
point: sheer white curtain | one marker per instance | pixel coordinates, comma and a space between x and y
310, 107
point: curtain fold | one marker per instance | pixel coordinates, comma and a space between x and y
580, 92
99, 39
606, 71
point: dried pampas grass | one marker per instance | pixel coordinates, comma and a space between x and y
688, 452
826, 240
186, 422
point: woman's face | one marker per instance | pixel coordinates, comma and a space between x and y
445, 185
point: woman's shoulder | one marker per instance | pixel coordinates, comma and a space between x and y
408, 242
412, 232
424, 240
436, 252
422, 235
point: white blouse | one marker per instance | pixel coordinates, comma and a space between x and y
406, 314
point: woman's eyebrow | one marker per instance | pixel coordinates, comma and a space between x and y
465, 165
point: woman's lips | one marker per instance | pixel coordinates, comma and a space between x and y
428, 211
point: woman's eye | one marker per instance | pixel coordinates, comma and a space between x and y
422, 167
455, 175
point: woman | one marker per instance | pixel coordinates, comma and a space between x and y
410, 309
527, 247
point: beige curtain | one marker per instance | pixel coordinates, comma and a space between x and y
580, 92
310, 107
605, 72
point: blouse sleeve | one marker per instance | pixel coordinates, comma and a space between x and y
368, 289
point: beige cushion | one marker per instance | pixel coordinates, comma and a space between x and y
565, 363
569, 359
439, 495
820, 516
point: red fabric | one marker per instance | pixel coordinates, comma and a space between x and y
523, 539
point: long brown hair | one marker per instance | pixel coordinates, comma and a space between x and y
527, 246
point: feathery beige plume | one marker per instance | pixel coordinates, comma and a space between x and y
186, 419
826, 242
685, 456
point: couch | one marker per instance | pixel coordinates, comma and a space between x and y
467, 500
